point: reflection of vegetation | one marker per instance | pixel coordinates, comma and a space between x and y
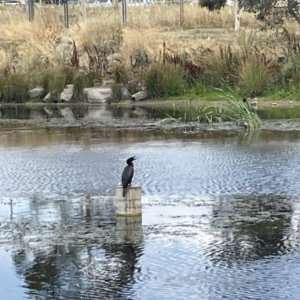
82, 252
249, 137
251, 227
274, 113
25, 112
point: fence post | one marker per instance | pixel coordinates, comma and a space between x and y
30, 10
124, 12
82, 8
237, 18
66, 13
181, 13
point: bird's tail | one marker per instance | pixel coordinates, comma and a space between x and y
124, 191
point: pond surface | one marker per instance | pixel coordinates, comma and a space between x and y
220, 219
91, 112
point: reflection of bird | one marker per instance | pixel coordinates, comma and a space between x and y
127, 174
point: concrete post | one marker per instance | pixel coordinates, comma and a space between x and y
130, 205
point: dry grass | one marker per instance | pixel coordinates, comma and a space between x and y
31, 45
28, 45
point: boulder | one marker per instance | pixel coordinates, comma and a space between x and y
98, 94
119, 93
47, 98
36, 92
67, 93
139, 96
125, 93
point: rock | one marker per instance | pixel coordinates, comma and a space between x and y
98, 94
36, 92
119, 93
125, 93
139, 96
47, 98
107, 83
67, 94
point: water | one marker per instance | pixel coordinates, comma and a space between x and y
220, 215
90, 112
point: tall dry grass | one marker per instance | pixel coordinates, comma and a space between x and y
45, 44
31, 45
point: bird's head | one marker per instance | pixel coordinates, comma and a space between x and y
130, 159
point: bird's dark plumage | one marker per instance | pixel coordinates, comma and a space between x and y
127, 174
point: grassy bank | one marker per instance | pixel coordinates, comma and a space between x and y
203, 58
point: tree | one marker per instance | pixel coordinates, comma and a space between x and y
212, 4
272, 12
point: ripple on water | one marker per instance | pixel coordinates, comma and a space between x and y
220, 220
173, 168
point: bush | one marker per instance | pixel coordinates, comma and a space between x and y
164, 80
120, 74
15, 87
117, 94
222, 66
79, 82
255, 77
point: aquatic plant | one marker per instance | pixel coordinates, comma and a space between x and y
166, 121
185, 114
242, 113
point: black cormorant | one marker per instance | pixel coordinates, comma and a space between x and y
127, 174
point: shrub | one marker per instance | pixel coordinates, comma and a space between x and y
79, 82
222, 66
255, 77
120, 73
164, 80
117, 94
15, 87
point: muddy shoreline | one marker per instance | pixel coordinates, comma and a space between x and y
141, 124
261, 102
